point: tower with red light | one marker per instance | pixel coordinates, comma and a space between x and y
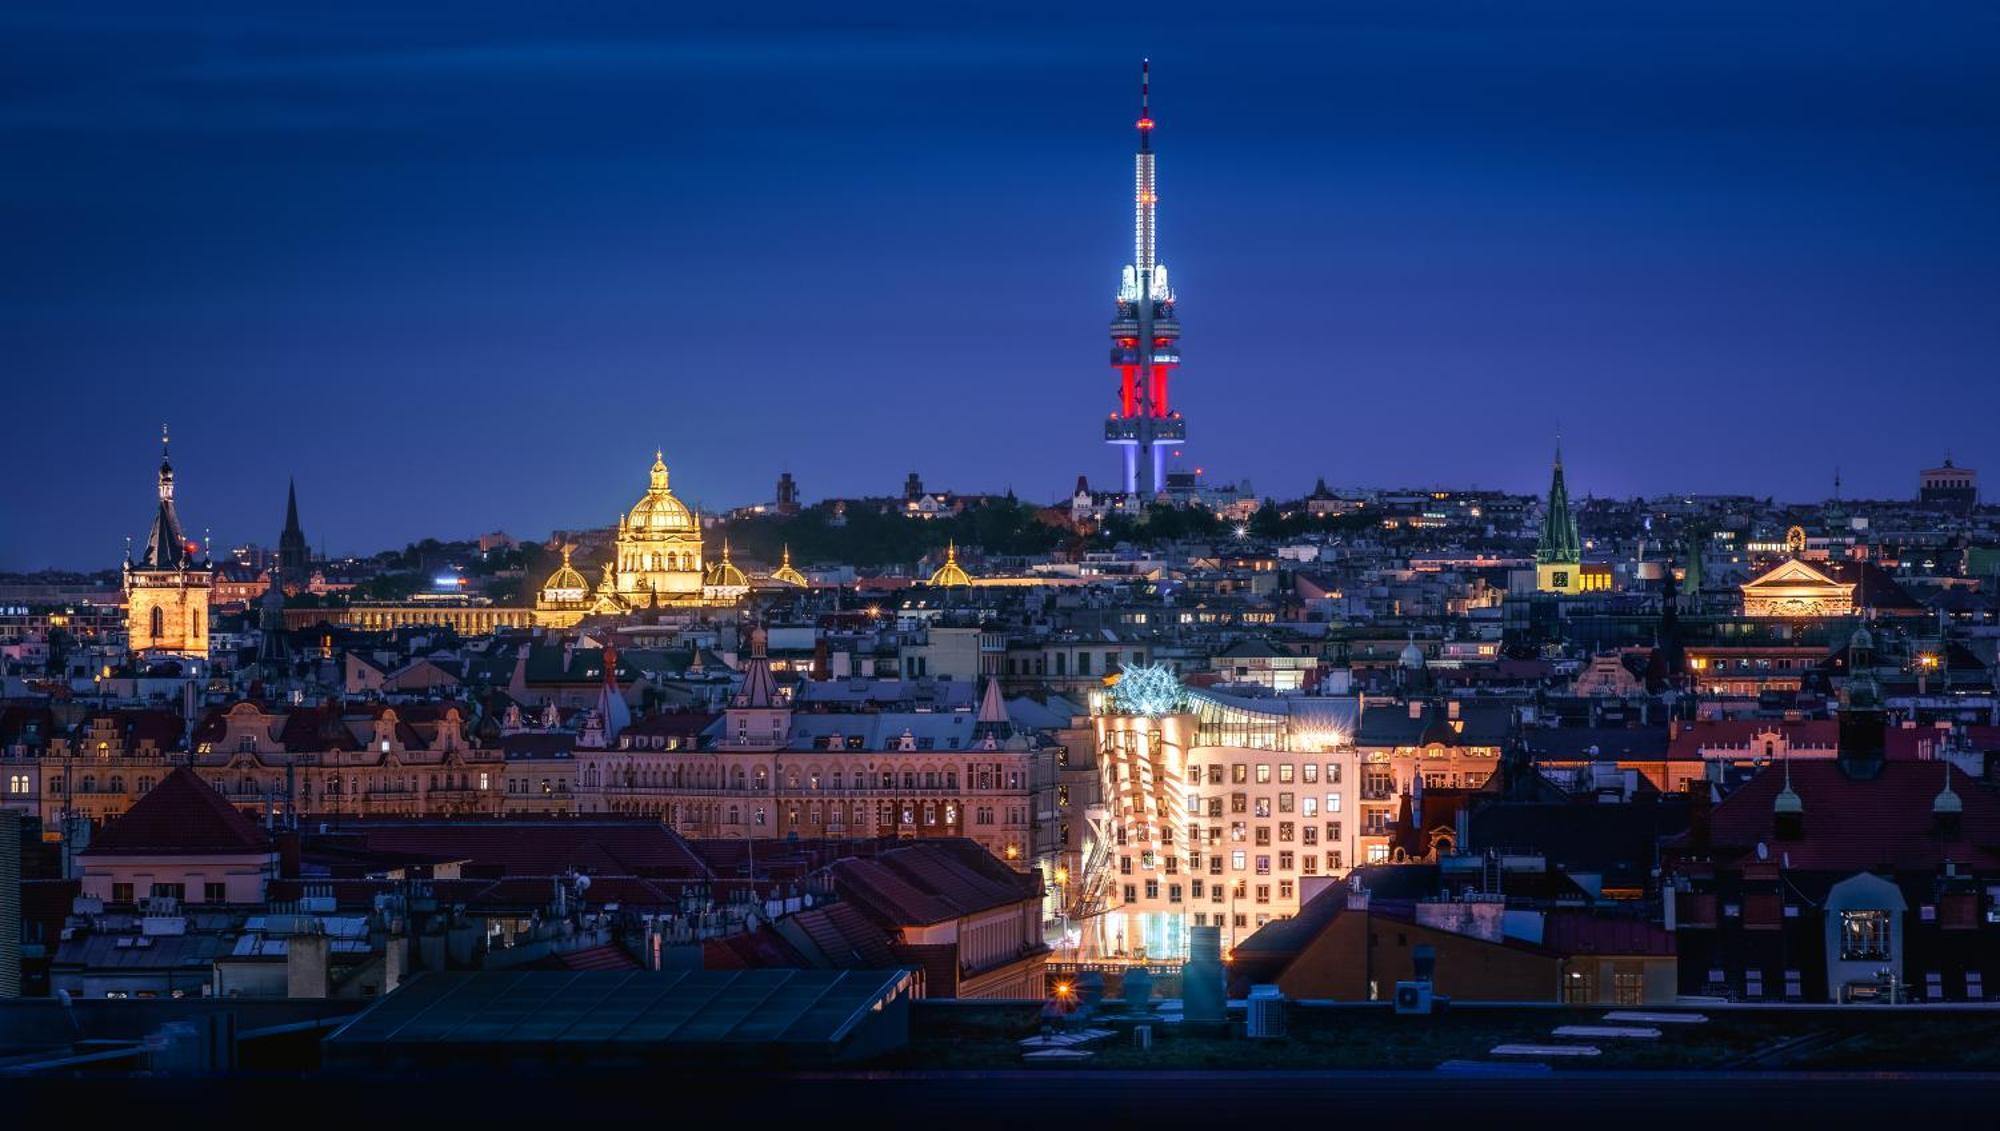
1145, 334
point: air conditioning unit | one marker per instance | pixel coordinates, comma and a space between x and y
1413, 998
1265, 1015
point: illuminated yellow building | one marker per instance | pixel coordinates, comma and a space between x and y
1794, 589
564, 597
657, 560
950, 573
786, 575
167, 591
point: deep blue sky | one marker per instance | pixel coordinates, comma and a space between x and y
465, 268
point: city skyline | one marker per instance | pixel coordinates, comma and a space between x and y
1433, 237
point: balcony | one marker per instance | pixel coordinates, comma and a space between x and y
1162, 355
1166, 430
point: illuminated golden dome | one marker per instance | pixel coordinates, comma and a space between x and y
657, 511
787, 574
565, 584
724, 573
950, 573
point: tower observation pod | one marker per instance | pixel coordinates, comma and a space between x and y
1145, 334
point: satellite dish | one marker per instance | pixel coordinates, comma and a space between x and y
582, 884
1763, 851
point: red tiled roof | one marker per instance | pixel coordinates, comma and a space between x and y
312, 729
845, 937
605, 957
1854, 825
182, 815
1914, 743
1581, 932
760, 948
930, 882
526, 847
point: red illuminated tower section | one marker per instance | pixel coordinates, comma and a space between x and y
1145, 335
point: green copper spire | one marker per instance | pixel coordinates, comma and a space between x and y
1560, 543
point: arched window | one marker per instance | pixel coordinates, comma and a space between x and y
158, 621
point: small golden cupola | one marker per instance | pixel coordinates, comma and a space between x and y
564, 597
566, 585
724, 573
785, 574
950, 573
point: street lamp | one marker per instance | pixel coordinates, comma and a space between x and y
1062, 904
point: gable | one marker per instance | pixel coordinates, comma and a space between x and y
1794, 573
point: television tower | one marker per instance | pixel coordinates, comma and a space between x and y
1145, 335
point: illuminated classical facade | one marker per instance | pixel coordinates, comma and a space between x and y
167, 591
1794, 589
772, 772
657, 559
564, 597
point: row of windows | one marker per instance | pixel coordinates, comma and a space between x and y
1261, 806
1217, 893
1240, 773
210, 892
1039, 665
1303, 832
759, 780
1238, 859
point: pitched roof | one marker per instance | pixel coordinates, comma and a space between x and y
181, 816
1850, 825
931, 882
534, 847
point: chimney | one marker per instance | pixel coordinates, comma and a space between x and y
286, 842
1701, 804
306, 964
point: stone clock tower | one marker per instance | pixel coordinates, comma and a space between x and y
167, 590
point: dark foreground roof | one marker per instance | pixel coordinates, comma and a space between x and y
630, 1018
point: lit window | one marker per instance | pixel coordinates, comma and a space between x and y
1864, 936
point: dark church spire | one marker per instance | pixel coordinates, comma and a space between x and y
293, 552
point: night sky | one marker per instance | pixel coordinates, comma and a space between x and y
465, 269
